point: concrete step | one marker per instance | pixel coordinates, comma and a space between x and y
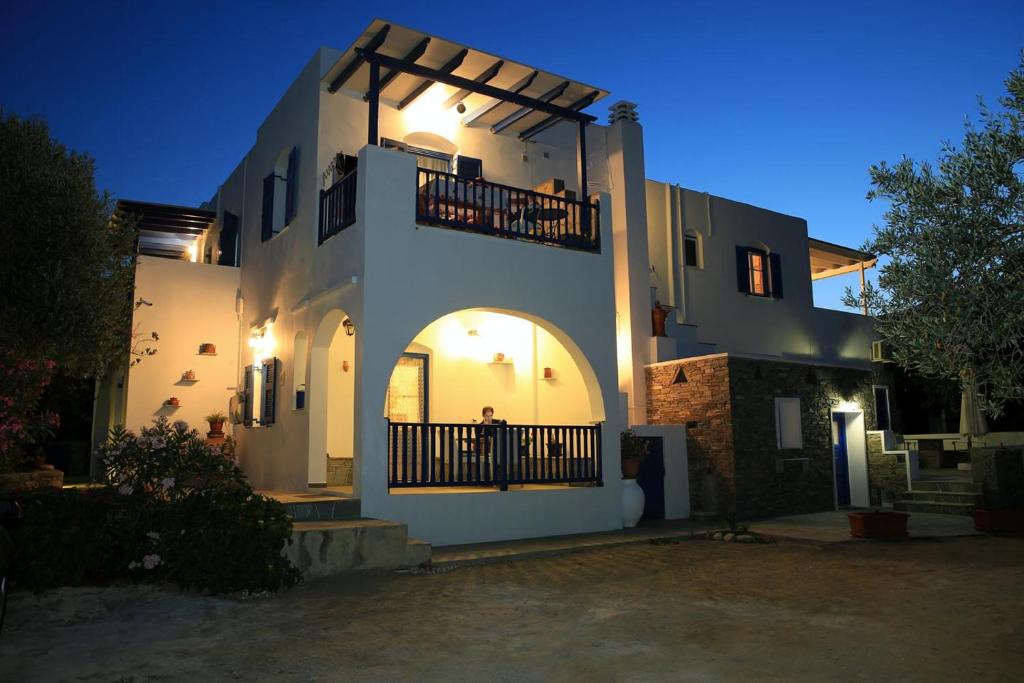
934, 507
944, 497
323, 509
963, 466
951, 486
330, 547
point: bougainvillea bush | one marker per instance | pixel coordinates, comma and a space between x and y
22, 422
169, 507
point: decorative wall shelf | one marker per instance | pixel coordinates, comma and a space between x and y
547, 379
500, 362
202, 353
190, 381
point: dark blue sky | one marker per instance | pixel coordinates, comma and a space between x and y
782, 105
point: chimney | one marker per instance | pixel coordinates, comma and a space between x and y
622, 111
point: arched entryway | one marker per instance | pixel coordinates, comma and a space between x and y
547, 405
331, 397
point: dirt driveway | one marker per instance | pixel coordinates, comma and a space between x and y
698, 610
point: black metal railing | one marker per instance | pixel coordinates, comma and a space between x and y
423, 454
493, 209
337, 207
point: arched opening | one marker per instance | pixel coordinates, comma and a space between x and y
547, 405
331, 400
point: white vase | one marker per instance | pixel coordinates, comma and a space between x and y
632, 502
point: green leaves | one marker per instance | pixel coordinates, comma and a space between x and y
949, 295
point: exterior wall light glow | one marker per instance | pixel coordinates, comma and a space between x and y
350, 328
848, 407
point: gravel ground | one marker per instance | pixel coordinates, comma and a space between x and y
697, 610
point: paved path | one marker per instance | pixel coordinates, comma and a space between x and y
833, 527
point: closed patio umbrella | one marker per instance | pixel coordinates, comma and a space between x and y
972, 420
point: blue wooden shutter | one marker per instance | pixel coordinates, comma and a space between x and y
291, 205
247, 397
775, 266
742, 270
270, 371
268, 207
228, 242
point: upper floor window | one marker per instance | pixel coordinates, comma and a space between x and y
691, 251
758, 273
280, 194
425, 158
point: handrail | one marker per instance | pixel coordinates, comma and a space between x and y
337, 207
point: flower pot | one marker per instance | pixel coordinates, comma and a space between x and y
207, 348
995, 521
658, 315
216, 427
173, 401
548, 373
632, 502
878, 524
630, 468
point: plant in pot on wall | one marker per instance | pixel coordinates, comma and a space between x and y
633, 449
216, 421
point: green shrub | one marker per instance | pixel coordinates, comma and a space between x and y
170, 507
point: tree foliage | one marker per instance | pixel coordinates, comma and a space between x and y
66, 269
950, 295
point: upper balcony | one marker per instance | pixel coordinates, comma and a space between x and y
183, 233
466, 115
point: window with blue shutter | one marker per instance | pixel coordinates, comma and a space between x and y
291, 204
247, 396
268, 207
742, 271
271, 368
227, 244
775, 269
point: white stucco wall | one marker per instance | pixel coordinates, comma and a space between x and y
192, 303
707, 296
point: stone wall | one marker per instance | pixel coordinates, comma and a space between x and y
702, 404
33, 480
729, 403
887, 476
1000, 471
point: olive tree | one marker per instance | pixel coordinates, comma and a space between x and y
950, 294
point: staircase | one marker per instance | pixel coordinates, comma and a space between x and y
944, 497
329, 536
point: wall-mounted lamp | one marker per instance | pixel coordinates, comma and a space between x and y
350, 328
461, 107
473, 333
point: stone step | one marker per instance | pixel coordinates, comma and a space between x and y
951, 486
324, 509
964, 466
944, 497
935, 507
331, 547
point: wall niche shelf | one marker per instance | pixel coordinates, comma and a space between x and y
205, 353
544, 379
499, 362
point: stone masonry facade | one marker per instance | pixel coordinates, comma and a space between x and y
728, 405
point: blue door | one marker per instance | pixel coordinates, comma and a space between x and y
842, 465
651, 478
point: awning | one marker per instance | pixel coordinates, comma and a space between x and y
829, 260
167, 230
498, 94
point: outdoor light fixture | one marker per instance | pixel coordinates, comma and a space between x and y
473, 333
350, 329
461, 107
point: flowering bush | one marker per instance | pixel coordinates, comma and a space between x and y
22, 423
169, 507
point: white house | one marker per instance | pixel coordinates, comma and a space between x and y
423, 229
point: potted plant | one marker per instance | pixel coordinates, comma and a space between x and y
633, 449
189, 375
878, 524
207, 348
658, 315
216, 421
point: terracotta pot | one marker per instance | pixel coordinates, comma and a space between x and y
173, 401
548, 373
630, 468
658, 315
997, 521
217, 427
207, 348
878, 524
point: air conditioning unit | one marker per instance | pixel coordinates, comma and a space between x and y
880, 352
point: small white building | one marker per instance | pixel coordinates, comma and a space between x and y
423, 229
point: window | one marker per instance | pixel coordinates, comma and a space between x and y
883, 420
788, 429
691, 251
280, 195
758, 273
425, 158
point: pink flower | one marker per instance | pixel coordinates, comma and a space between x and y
151, 561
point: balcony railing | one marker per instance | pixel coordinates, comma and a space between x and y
337, 207
436, 454
493, 209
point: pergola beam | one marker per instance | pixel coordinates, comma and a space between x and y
358, 60
842, 270
552, 94
409, 58
431, 75
486, 76
581, 103
519, 86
